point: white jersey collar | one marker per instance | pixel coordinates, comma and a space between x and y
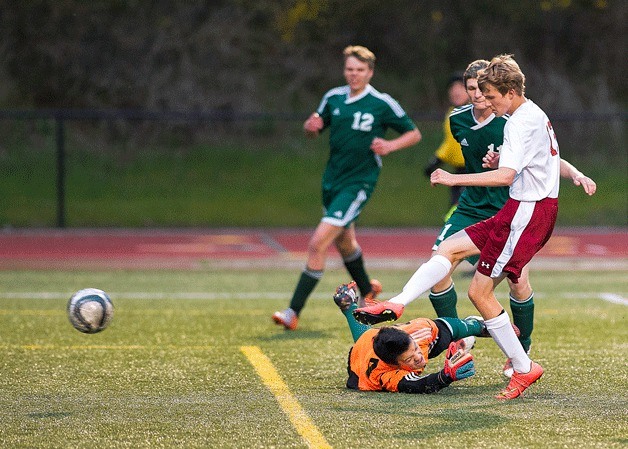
367, 90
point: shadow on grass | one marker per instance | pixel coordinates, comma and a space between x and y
464, 420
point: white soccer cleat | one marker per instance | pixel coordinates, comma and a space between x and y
467, 343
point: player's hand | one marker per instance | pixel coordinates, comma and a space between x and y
490, 160
382, 146
313, 125
458, 365
419, 335
587, 183
440, 176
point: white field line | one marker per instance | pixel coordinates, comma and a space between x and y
615, 299
605, 296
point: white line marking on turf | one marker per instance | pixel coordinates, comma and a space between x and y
291, 407
615, 299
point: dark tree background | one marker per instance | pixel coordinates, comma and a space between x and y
280, 56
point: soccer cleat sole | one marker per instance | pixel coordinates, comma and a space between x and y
370, 318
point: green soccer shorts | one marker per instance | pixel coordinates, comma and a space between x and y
457, 221
342, 206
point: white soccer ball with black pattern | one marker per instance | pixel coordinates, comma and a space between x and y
90, 310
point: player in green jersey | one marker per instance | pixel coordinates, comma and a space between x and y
357, 116
479, 132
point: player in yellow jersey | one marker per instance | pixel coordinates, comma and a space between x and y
449, 151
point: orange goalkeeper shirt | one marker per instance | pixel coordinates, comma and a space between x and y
375, 375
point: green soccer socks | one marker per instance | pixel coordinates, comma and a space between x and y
305, 286
523, 317
444, 302
463, 328
355, 266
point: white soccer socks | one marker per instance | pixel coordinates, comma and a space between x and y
502, 332
428, 275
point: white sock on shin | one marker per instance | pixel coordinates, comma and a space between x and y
428, 275
502, 332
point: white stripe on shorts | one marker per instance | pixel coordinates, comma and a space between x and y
352, 212
517, 226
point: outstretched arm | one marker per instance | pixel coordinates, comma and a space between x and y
568, 171
503, 176
431, 383
383, 147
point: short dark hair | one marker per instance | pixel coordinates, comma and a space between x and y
456, 77
473, 69
389, 343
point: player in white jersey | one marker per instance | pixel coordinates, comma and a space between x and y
529, 162
526, 151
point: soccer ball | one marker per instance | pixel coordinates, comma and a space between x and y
90, 310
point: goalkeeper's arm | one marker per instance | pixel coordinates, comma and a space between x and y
413, 383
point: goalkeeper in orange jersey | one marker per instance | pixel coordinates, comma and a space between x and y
392, 358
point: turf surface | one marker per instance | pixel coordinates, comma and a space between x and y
170, 370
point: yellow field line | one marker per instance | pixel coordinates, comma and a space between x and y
300, 420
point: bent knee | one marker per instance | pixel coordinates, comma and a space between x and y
520, 291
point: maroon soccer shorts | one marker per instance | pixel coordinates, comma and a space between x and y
510, 239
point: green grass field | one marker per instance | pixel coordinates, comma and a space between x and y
171, 371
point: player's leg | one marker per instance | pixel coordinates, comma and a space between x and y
526, 372
351, 253
346, 298
515, 234
453, 249
496, 319
468, 327
454, 329
319, 243
343, 210
522, 308
443, 294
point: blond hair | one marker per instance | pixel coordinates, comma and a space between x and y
361, 53
504, 74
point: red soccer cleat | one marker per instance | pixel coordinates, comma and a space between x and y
378, 312
519, 382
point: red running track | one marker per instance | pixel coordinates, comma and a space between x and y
197, 248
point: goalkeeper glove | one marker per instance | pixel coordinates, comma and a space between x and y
458, 364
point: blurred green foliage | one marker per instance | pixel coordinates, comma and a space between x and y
264, 55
